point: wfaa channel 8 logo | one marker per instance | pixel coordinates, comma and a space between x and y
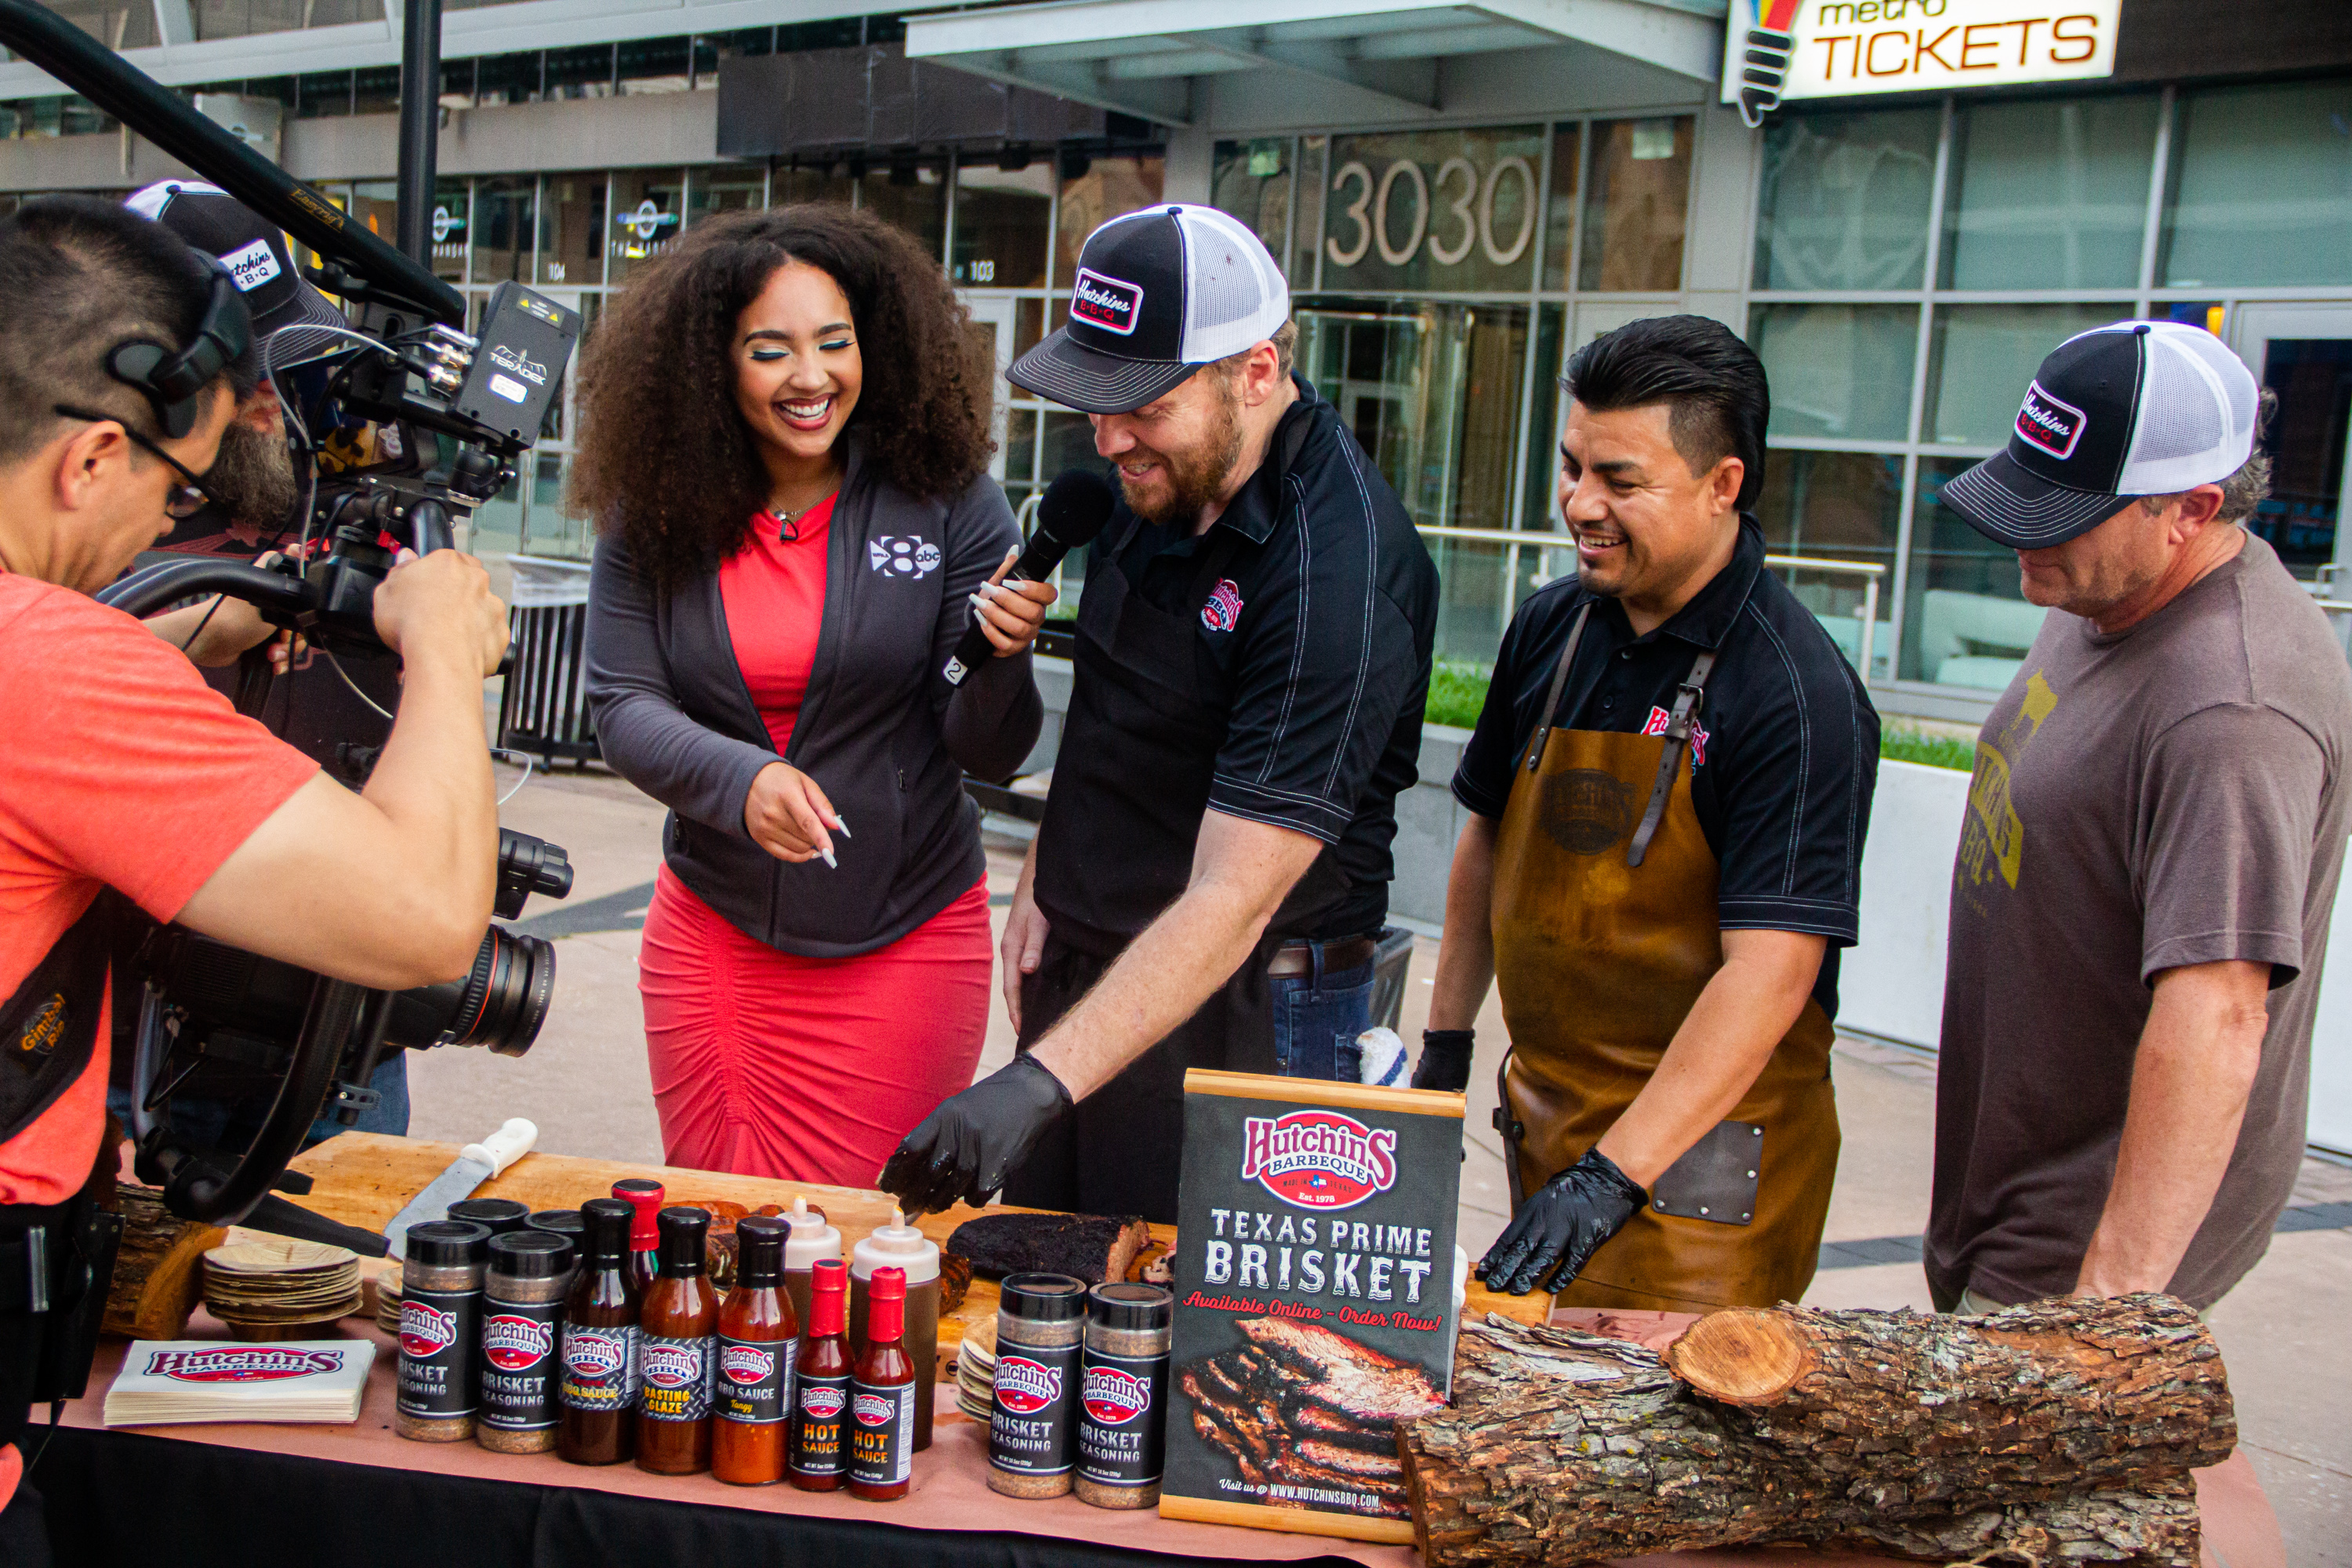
902, 556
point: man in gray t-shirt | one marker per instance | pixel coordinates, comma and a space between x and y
2150, 855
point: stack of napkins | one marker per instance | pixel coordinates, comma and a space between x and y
169, 1381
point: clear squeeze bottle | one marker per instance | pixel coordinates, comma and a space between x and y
917, 1258
813, 1237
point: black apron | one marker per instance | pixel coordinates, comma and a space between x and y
1147, 715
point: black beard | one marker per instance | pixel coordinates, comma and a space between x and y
254, 477
1196, 480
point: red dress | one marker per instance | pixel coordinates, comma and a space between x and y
769, 1064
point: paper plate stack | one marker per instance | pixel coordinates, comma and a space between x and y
387, 1300
976, 1371
174, 1380
275, 1288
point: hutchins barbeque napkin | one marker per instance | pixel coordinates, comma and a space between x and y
171, 1380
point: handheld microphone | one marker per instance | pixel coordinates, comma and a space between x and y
1074, 508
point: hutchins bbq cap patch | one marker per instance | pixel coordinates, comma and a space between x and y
1319, 1159
1109, 303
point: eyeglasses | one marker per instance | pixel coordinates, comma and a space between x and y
181, 501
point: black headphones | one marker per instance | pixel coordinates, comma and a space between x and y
174, 382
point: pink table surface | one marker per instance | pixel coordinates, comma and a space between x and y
950, 1489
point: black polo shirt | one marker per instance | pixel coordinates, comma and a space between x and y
1324, 641
1783, 759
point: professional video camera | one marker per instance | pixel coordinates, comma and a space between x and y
208, 1012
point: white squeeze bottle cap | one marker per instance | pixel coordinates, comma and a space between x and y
812, 1238
896, 1245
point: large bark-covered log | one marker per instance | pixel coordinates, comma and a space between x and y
158, 1268
2059, 1396
1563, 1448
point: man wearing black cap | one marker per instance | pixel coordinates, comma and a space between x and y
2154, 834
1253, 651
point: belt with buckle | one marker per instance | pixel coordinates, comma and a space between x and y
1295, 959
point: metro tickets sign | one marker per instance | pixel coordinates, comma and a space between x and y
1314, 1278
1780, 50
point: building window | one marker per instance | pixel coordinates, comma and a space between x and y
723, 188
1447, 211
1837, 506
795, 185
572, 229
1965, 621
1251, 180
324, 94
649, 216
506, 221
507, 79
2049, 194
2261, 188
584, 71
1003, 223
376, 90
1845, 199
914, 195
1097, 190
453, 210
1560, 226
1634, 205
1839, 373
1981, 356
656, 65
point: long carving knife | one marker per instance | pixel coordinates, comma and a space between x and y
474, 1163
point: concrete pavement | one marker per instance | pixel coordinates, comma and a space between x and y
587, 1087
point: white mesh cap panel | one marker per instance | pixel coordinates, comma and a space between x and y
2196, 414
1234, 295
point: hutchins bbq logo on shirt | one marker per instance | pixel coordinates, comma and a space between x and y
516, 1344
1024, 1387
746, 1365
1223, 612
1110, 304
2045, 421
1114, 1397
426, 1331
239, 1363
874, 1409
1319, 1159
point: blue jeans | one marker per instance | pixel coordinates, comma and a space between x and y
230, 1124
1317, 1017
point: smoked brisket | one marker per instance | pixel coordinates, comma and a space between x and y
1092, 1247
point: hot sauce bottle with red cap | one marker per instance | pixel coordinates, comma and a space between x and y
751, 1391
818, 1453
679, 1320
644, 1201
882, 1396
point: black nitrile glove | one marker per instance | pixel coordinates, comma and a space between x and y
1444, 1060
1558, 1229
974, 1139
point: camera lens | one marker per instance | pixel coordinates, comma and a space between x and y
501, 1002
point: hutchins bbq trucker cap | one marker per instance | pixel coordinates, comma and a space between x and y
2138, 408
255, 252
1159, 293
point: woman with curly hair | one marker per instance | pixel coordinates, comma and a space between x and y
785, 443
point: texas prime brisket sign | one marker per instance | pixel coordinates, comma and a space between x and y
1314, 1299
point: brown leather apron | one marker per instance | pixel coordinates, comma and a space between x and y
1606, 931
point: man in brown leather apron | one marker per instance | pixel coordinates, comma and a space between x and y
1253, 651
1670, 783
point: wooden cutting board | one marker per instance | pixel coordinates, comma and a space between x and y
365, 1178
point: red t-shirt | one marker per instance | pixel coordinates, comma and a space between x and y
772, 589
119, 766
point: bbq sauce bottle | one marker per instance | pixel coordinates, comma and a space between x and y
679, 1319
819, 1451
644, 1201
599, 1392
758, 1339
882, 1396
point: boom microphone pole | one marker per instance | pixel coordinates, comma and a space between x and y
420, 125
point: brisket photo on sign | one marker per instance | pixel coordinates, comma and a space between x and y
1313, 1280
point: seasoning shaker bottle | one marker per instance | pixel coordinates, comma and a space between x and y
1040, 1320
883, 1392
817, 1454
1123, 1396
813, 1237
522, 1318
440, 1330
567, 1223
917, 1258
679, 1319
496, 1215
644, 1198
759, 1339
598, 1425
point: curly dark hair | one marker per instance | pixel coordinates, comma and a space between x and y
664, 455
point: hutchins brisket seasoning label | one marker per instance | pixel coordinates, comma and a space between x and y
677, 1373
600, 1367
1029, 1429
820, 1411
881, 1434
439, 1335
755, 1380
1122, 1419
1313, 1281
519, 1364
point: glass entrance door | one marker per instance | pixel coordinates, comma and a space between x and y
2303, 353
991, 320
